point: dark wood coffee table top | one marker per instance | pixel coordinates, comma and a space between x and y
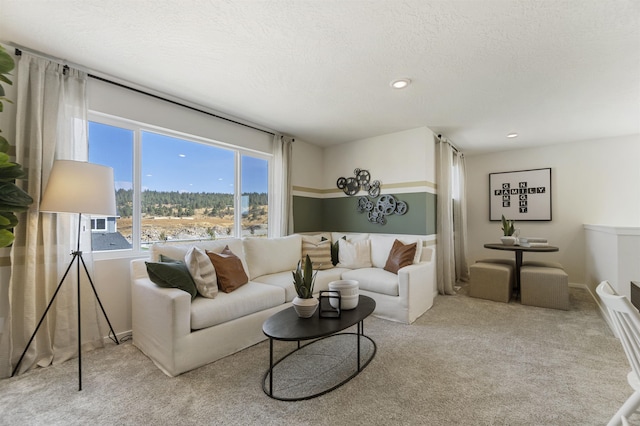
500, 246
286, 325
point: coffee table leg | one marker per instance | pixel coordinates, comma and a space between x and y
360, 332
270, 366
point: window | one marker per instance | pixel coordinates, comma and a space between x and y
99, 224
112, 146
255, 180
173, 188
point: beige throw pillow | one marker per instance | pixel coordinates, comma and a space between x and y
354, 255
202, 272
319, 252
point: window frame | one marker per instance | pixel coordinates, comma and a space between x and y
137, 128
94, 221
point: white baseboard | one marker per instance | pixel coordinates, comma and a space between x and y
579, 285
604, 313
123, 335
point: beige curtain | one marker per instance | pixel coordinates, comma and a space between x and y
281, 215
50, 124
460, 217
451, 222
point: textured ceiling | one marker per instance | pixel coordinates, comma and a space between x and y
553, 71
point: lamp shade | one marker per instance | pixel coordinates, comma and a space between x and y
79, 187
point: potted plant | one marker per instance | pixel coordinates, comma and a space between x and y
508, 228
12, 198
303, 280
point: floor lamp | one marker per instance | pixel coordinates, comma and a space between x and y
82, 188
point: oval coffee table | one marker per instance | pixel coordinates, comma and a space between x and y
317, 367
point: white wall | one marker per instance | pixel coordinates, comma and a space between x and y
114, 100
308, 166
404, 159
612, 254
593, 182
112, 281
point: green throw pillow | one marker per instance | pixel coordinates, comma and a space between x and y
334, 250
172, 274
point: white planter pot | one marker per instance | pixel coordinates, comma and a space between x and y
508, 241
305, 308
349, 293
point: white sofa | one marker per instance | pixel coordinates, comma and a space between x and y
180, 334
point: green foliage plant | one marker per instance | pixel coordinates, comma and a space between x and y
508, 226
12, 198
304, 279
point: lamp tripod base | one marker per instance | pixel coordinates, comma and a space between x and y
77, 259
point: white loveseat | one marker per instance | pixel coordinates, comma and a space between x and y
180, 334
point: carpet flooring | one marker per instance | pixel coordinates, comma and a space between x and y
465, 362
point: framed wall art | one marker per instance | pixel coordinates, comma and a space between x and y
520, 195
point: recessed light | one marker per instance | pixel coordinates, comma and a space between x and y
400, 83
512, 135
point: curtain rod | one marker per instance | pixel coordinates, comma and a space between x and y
445, 140
18, 52
133, 89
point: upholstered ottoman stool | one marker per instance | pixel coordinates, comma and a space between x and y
491, 281
509, 262
544, 287
542, 263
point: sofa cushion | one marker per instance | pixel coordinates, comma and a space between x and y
323, 278
381, 247
248, 299
319, 251
283, 280
376, 280
202, 271
354, 254
401, 255
270, 255
229, 270
172, 274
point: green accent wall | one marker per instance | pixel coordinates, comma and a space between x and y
341, 214
307, 214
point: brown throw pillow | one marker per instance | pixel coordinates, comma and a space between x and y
400, 256
229, 270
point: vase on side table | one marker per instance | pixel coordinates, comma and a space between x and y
508, 241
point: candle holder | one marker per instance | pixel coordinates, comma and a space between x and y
326, 308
